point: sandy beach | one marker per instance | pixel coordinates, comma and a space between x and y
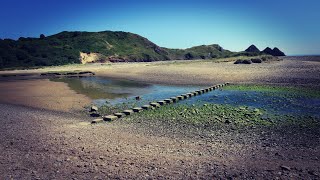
43, 136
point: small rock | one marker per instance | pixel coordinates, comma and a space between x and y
286, 168
94, 114
101, 157
227, 121
93, 109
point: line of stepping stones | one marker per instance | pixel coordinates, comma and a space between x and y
157, 104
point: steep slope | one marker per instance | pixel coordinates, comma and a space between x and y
199, 52
252, 49
274, 52
85, 47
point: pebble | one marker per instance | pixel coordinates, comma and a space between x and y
286, 168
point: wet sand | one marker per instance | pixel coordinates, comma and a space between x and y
42, 94
37, 143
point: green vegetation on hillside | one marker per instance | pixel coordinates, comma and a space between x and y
65, 47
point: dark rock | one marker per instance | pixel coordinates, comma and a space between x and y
239, 61
138, 98
277, 52
274, 52
252, 48
256, 60
227, 121
95, 114
246, 61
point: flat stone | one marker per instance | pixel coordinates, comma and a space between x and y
110, 118
185, 96
128, 112
146, 107
168, 101
93, 109
137, 109
199, 92
95, 121
162, 102
155, 104
119, 115
180, 97
203, 91
190, 94
174, 99
94, 114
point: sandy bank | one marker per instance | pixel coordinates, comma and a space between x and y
43, 94
286, 72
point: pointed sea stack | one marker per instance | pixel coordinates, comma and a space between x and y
277, 52
253, 49
274, 52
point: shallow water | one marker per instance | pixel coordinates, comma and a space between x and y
109, 91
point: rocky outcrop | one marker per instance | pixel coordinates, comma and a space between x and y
274, 52
253, 49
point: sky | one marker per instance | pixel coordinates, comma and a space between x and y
291, 25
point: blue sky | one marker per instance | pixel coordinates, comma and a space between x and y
291, 25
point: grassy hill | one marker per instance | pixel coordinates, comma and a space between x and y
65, 47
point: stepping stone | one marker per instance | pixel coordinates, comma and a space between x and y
203, 91
168, 101
199, 92
161, 103
146, 107
195, 93
180, 97
185, 96
110, 118
156, 105
93, 109
119, 115
190, 94
137, 109
127, 112
174, 99
95, 121
94, 114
